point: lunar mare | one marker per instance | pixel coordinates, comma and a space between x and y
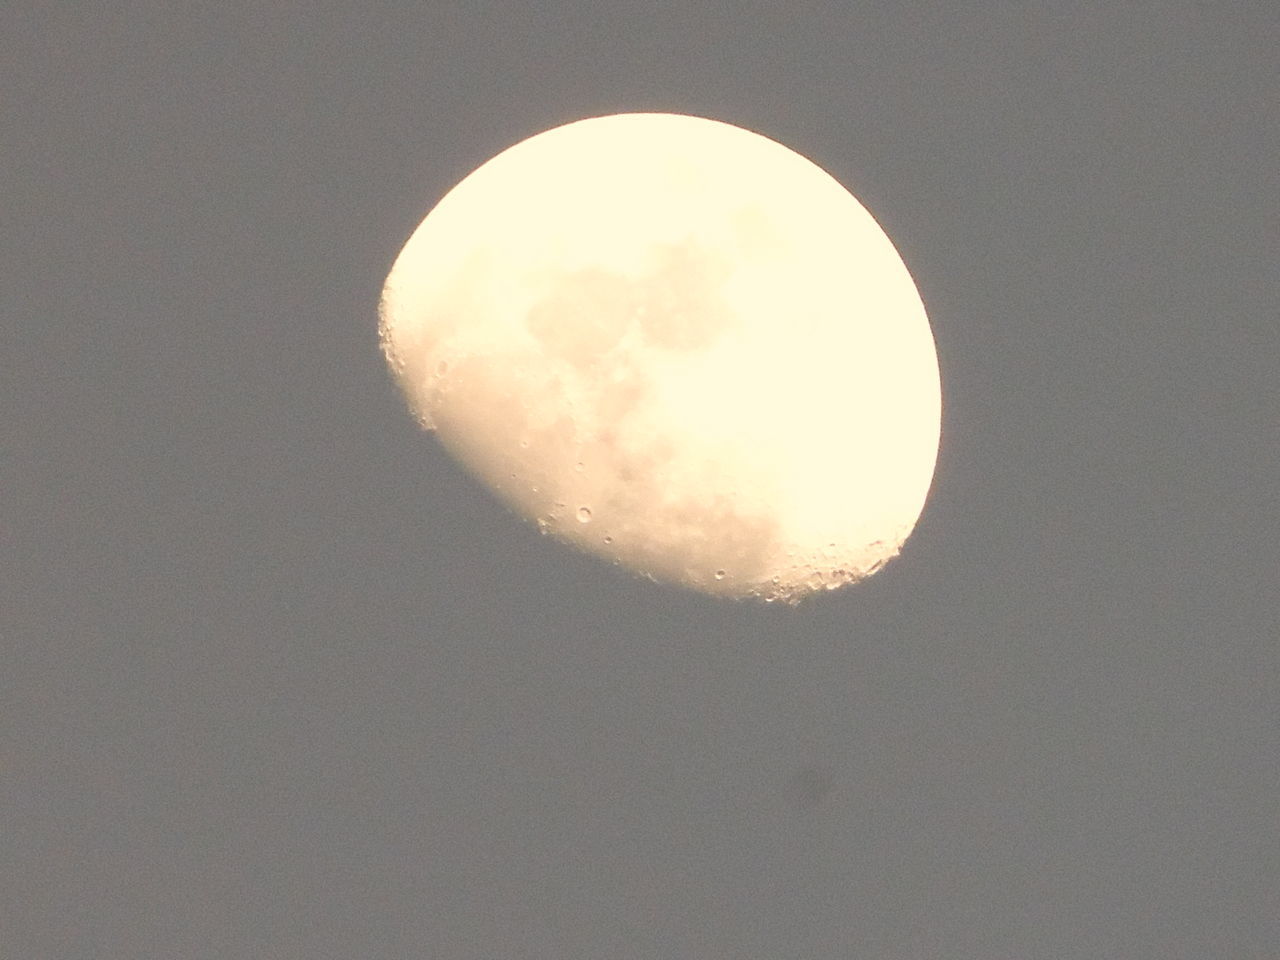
678, 345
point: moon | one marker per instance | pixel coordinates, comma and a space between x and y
678, 345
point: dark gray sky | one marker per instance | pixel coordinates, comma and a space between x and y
281, 681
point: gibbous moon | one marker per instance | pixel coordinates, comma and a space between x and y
679, 346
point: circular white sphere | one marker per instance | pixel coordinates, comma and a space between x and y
678, 345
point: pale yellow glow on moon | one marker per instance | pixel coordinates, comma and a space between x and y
678, 345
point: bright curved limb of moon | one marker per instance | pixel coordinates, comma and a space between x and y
678, 345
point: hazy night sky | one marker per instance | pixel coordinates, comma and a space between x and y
280, 680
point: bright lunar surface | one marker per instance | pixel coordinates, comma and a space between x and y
678, 345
